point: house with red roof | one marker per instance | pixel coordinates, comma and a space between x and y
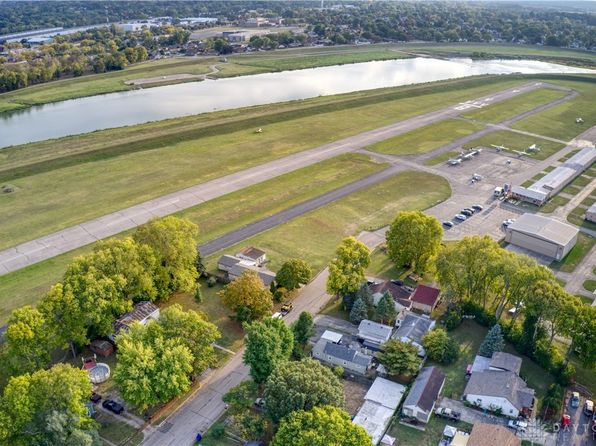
425, 298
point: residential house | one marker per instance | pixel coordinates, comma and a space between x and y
425, 298
400, 294
380, 403
264, 274
341, 355
492, 435
252, 254
412, 330
505, 362
226, 262
142, 313
373, 334
420, 402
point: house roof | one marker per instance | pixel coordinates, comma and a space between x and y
544, 228
398, 292
506, 361
374, 330
492, 435
346, 353
385, 392
426, 388
481, 363
414, 328
332, 336
252, 252
265, 275
539, 195
426, 295
228, 260
374, 418
501, 384
140, 312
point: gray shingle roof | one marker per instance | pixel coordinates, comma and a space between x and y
228, 260
374, 330
414, 328
506, 361
345, 353
501, 384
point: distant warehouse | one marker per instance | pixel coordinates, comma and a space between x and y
553, 182
542, 235
591, 213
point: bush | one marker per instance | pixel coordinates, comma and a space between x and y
338, 371
211, 281
480, 315
280, 294
453, 319
565, 375
218, 430
198, 295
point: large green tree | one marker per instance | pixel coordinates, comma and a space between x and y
302, 330
493, 342
346, 270
173, 241
31, 401
321, 426
414, 239
293, 273
386, 311
399, 358
301, 385
247, 297
439, 346
359, 312
268, 344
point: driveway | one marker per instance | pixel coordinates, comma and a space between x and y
579, 433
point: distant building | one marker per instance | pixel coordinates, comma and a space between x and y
256, 22
492, 435
344, 356
412, 330
142, 313
591, 213
253, 254
380, 403
425, 298
264, 274
421, 399
542, 235
197, 20
40, 40
248, 259
130, 27
373, 335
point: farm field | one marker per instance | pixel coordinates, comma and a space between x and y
512, 107
426, 138
26, 286
98, 185
314, 236
517, 141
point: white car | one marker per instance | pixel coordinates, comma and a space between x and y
460, 217
508, 221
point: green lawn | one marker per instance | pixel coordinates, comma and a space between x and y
426, 138
116, 431
409, 436
576, 255
107, 183
559, 121
553, 204
215, 217
441, 158
382, 267
590, 285
517, 141
577, 216
512, 107
315, 235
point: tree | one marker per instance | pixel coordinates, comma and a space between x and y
173, 240
268, 344
359, 312
241, 397
346, 270
151, 369
193, 331
293, 273
386, 311
440, 347
27, 343
399, 358
302, 330
301, 385
248, 297
30, 402
493, 342
63, 429
414, 239
321, 426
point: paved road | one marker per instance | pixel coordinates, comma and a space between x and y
34, 251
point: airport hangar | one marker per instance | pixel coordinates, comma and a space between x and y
542, 235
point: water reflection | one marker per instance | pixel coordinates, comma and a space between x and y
152, 104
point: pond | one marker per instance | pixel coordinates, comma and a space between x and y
152, 104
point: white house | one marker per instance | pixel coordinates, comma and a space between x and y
421, 399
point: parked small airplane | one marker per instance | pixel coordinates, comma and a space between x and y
533, 148
579, 120
454, 162
499, 148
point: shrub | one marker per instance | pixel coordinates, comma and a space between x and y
218, 430
198, 295
453, 319
211, 281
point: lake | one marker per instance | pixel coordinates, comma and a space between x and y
152, 104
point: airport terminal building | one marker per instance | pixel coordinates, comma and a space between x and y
542, 235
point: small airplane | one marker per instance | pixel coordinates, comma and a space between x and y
259, 130
579, 120
533, 148
499, 148
454, 162
520, 153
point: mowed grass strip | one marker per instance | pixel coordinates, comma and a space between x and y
314, 236
52, 200
517, 141
559, 121
426, 138
215, 217
441, 158
512, 107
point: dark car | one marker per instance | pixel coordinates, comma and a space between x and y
477, 207
467, 212
113, 406
95, 398
448, 224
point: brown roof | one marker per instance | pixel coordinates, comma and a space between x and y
397, 292
426, 389
426, 295
252, 252
492, 435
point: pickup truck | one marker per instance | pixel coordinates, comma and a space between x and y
445, 412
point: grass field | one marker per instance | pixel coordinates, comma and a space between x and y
590, 285
101, 184
553, 204
215, 217
117, 432
441, 158
517, 141
576, 216
512, 107
314, 236
426, 138
559, 121
576, 255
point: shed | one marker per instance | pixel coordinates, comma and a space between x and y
252, 254
101, 347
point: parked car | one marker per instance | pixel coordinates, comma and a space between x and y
472, 210
448, 224
277, 315
589, 408
461, 217
574, 399
508, 222
95, 398
113, 406
518, 426
448, 413
477, 207
467, 212
286, 308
